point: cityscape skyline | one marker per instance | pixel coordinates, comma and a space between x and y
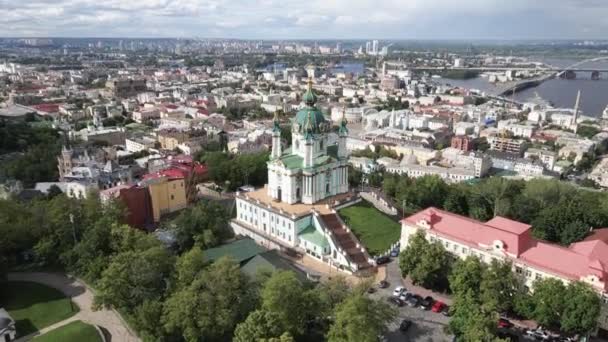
362, 19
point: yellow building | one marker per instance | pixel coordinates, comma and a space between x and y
167, 195
170, 139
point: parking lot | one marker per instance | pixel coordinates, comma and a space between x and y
426, 325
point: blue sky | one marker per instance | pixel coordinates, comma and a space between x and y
315, 19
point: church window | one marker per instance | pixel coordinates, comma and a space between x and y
321, 145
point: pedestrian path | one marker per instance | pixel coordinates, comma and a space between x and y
80, 294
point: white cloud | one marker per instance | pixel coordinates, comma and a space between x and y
312, 18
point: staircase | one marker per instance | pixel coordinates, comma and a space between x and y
346, 240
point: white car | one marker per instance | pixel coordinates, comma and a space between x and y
398, 291
404, 295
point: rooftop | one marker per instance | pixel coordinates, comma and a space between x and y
579, 260
297, 209
240, 250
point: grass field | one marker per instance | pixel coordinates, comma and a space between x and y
373, 228
72, 332
34, 306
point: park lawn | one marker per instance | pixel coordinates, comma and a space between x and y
377, 231
72, 332
34, 306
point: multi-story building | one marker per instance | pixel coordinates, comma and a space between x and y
170, 139
123, 88
509, 145
296, 210
167, 194
462, 143
507, 240
547, 158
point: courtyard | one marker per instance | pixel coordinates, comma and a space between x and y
377, 231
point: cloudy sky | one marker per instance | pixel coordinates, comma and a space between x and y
317, 19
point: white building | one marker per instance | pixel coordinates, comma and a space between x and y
296, 210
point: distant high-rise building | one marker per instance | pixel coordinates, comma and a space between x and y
375, 47
368, 47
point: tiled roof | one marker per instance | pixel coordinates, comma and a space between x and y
579, 260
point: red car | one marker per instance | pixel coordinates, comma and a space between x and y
504, 323
438, 306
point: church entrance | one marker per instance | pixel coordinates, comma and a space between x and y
297, 193
279, 193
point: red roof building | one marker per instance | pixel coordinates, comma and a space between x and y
505, 239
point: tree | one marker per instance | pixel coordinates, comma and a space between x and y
410, 257
188, 266
523, 303
212, 305
548, 297
360, 319
498, 286
423, 192
581, 309
133, 277
456, 201
331, 293
426, 263
285, 295
206, 223
466, 275
259, 325
433, 267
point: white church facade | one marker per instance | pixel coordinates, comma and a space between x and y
307, 183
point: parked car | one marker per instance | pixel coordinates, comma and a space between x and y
504, 323
383, 284
426, 303
538, 334
405, 295
398, 291
371, 290
381, 260
414, 300
394, 253
395, 301
438, 307
405, 325
446, 311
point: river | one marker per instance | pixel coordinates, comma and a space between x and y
559, 92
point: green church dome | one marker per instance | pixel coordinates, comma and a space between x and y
310, 120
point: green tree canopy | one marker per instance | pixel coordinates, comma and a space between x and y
285, 295
212, 305
360, 319
426, 263
259, 325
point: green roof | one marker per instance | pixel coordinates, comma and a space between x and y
271, 261
292, 161
239, 250
312, 235
295, 162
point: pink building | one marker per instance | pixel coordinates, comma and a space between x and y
505, 239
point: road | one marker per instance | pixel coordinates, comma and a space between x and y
427, 326
109, 320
